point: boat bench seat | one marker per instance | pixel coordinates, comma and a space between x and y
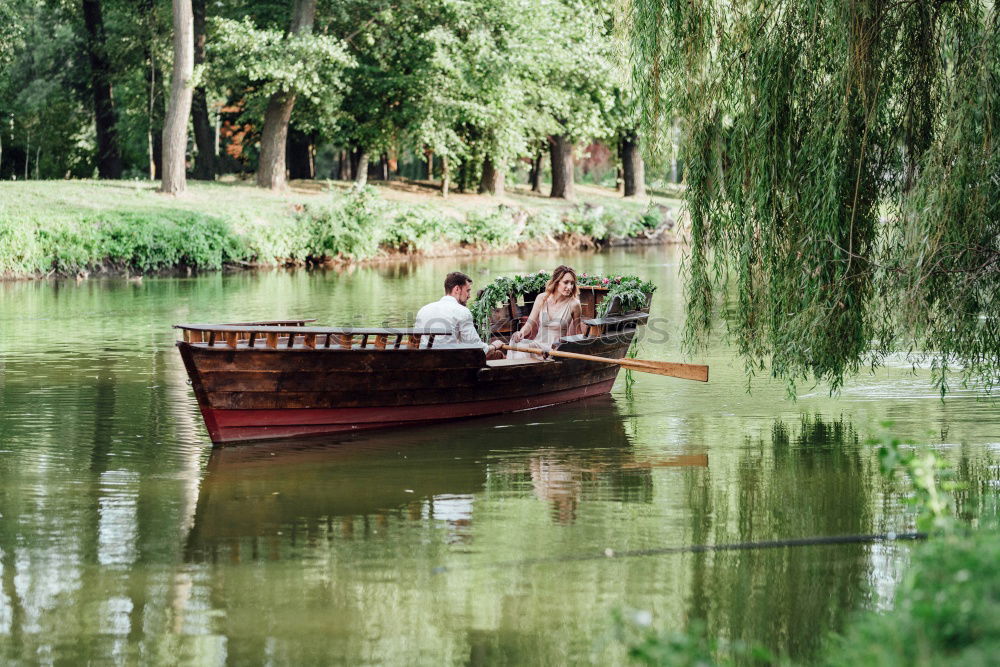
597, 326
493, 363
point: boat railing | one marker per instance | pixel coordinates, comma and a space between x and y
270, 323
272, 335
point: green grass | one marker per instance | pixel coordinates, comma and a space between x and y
72, 227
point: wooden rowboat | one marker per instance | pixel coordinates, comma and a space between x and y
269, 380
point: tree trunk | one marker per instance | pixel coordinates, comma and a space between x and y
345, 166
153, 127
273, 140
204, 137
445, 177
158, 154
217, 128
355, 161
175, 125
149, 150
562, 167
633, 168
274, 135
535, 176
204, 133
492, 180
430, 165
299, 152
383, 167
109, 161
463, 176
361, 170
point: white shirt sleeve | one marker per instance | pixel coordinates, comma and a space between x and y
421, 321
467, 330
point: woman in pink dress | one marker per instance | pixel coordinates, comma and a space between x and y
556, 313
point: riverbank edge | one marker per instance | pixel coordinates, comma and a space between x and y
662, 237
110, 269
42, 237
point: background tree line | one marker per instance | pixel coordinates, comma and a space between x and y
472, 88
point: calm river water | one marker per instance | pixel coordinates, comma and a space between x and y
124, 537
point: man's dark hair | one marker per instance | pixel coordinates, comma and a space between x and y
455, 279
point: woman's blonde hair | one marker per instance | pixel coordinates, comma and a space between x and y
557, 275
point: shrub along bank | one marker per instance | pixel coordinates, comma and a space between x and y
353, 226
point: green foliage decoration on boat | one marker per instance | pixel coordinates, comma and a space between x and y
631, 291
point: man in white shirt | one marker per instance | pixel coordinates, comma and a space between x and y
449, 312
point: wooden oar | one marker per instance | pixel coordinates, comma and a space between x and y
683, 371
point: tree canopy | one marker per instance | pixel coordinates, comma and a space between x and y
481, 83
842, 177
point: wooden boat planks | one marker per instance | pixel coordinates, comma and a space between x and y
357, 360
325, 380
391, 396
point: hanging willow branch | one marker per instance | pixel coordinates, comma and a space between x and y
842, 178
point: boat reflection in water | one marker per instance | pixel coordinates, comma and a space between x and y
284, 498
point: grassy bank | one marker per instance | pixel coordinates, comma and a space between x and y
83, 227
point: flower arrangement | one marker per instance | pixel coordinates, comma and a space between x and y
631, 291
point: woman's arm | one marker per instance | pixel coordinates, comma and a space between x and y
530, 327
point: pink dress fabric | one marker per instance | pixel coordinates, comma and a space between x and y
552, 325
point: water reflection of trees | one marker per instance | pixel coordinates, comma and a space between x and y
811, 479
82, 506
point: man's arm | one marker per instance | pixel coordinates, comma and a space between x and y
467, 330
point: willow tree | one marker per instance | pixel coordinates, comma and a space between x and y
842, 177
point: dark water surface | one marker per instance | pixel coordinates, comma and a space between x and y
125, 538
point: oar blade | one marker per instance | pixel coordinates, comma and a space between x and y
695, 372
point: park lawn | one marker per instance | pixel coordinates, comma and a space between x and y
241, 201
